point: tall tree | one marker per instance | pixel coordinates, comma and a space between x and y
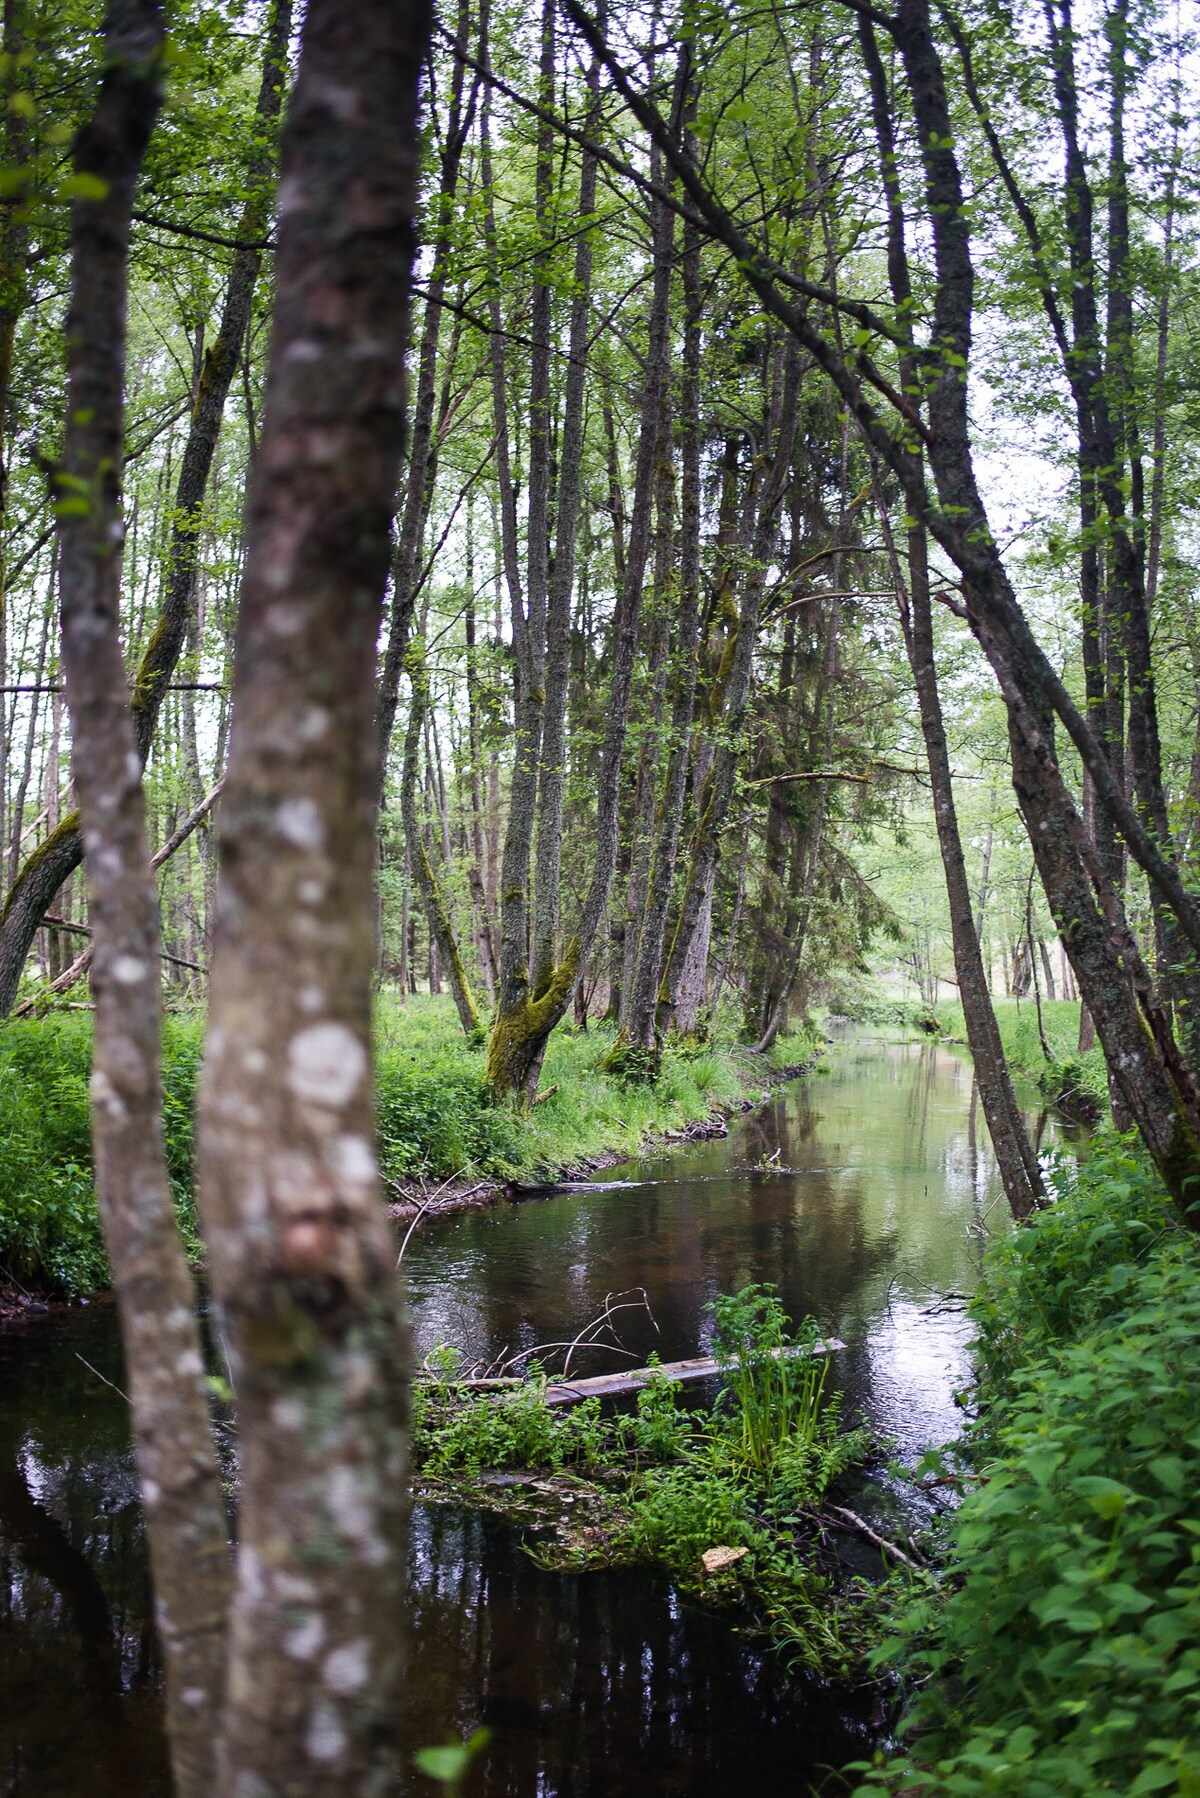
176, 1460
52, 861
302, 1260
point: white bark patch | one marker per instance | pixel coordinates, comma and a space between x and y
250, 1575
311, 998
346, 1669
127, 970
249, 1785
312, 723
326, 1064
359, 1374
352, 1159
288, 1414
193, 1697
189, 1365
286, 620
325, 1738
303, 349
150, 1493
310, 892
105, 1097
299, 822
351, 1497
294, 1589
304, 1643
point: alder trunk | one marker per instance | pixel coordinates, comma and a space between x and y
301, 1256
176, 1460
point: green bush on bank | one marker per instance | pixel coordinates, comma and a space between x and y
435, 1120
1079, 1083
1062, 1653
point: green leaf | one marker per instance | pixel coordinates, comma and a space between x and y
82, 187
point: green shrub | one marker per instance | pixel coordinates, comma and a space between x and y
1074, 1265
774, 1381
1062, 1654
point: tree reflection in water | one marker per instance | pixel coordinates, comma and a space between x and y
593, 1685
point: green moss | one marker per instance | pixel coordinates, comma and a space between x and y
49, 846
520, 1030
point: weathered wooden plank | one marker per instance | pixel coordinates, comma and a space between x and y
616, 1385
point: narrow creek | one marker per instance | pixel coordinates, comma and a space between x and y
882, 1190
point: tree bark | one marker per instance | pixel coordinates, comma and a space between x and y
176, 1460
523, 1020
302, 1260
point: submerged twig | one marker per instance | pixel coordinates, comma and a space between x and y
852, 1520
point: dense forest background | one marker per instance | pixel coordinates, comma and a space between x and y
606, 421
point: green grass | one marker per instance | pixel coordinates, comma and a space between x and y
435, 1120
1077, 1082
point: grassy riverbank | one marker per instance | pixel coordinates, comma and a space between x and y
436, 1121
1077, 1083
1061, 1651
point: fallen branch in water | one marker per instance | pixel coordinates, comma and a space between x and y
853, 1521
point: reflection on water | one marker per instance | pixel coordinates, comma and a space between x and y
602, 1684
606, 1683
889, 1192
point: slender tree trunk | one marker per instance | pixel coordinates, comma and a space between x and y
553, 755
1015, 1156
523, 1022
302, 1260
643, 1009
176, 1460
437, 914
422, 453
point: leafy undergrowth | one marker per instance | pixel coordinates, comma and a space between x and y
727, 1502
1062, 1653
436, 1121
1078, 1083
50, 1237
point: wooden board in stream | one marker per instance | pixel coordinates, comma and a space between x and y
617, 1385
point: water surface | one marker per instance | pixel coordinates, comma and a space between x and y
600, 1684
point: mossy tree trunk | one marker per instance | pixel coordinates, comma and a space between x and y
537, 974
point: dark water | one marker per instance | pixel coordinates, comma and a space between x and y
607, 1683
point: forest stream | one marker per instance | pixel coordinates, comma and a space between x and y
872, 1216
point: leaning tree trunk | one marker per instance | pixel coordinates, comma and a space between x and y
176, 1461
1014, 1153
302, 1260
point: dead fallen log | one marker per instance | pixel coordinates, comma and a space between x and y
630, 1380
